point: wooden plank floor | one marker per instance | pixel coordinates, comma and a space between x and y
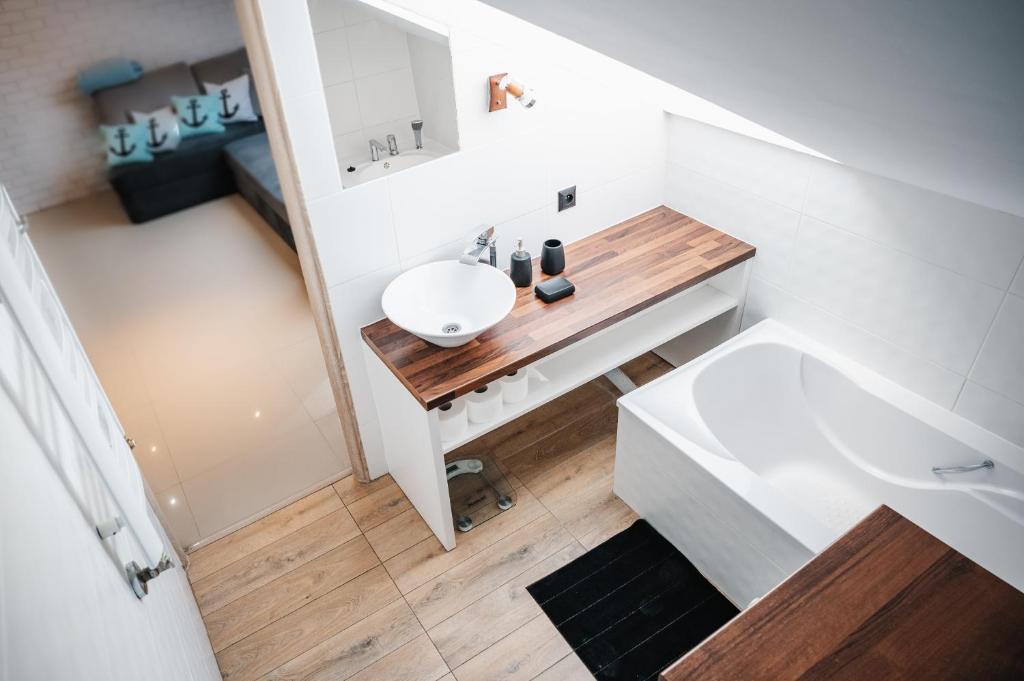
348, 583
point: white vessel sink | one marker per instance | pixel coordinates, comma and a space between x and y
449, 303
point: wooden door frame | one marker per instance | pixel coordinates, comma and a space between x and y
250, 18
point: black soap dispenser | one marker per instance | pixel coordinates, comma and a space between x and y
521, 269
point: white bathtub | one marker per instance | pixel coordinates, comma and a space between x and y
755, 456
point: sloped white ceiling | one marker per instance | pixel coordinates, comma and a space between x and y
926, 91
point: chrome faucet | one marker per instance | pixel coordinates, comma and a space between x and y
392, 145
375, 149
417, 131
487, 240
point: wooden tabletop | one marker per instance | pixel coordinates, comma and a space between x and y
886, 601
617, 272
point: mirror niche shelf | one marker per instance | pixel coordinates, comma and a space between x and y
389, 89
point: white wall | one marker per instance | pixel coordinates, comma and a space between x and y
925, 91
367, 77
431, 61
49, 146
925, 288
911, 282
507, 174
66, 611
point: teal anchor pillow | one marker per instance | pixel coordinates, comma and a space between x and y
125, 144
234, 103
197, 115
162, 130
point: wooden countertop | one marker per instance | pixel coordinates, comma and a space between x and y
617, 272
886, 601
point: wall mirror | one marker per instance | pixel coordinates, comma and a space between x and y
389, 89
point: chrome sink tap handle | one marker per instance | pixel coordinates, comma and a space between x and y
392, 145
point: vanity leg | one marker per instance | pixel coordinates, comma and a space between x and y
412, 446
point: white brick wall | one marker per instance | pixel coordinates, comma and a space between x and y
49, 148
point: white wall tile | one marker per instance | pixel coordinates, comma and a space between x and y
351, 149
354, 232
444, 200
343, 108
608, 204
978, 242
386, 97
333, 56
588, 151
1000, 365
992, 411
377, 47
929, 310
765, 224
292, 51
308, 126
771, 172
768, 301
327, 15
355, 12
1017, 287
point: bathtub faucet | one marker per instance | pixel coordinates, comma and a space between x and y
941, 470
375, 149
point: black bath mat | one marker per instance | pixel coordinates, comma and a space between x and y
631, 606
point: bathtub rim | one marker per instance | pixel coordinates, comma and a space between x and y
748, 485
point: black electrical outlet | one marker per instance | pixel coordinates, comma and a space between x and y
567, 198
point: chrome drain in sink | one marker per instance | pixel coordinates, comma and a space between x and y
449, 329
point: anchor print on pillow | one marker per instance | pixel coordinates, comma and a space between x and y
162, 130
234, 100
125, 144
197, 115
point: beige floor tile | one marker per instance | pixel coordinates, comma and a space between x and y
167, 312
302, 365
426, 560
486, 621
288, 593
273, 561
398, 534
377, 507
180, 520
520, 656
417, 660
330, 428
351, 490
354, 649
443, 596
151, 450
266, 531
248, 484
239, 410
301, 630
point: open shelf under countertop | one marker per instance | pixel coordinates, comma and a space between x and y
618, 272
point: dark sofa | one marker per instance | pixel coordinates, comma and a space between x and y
201, 168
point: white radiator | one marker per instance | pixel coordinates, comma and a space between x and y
46, 373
